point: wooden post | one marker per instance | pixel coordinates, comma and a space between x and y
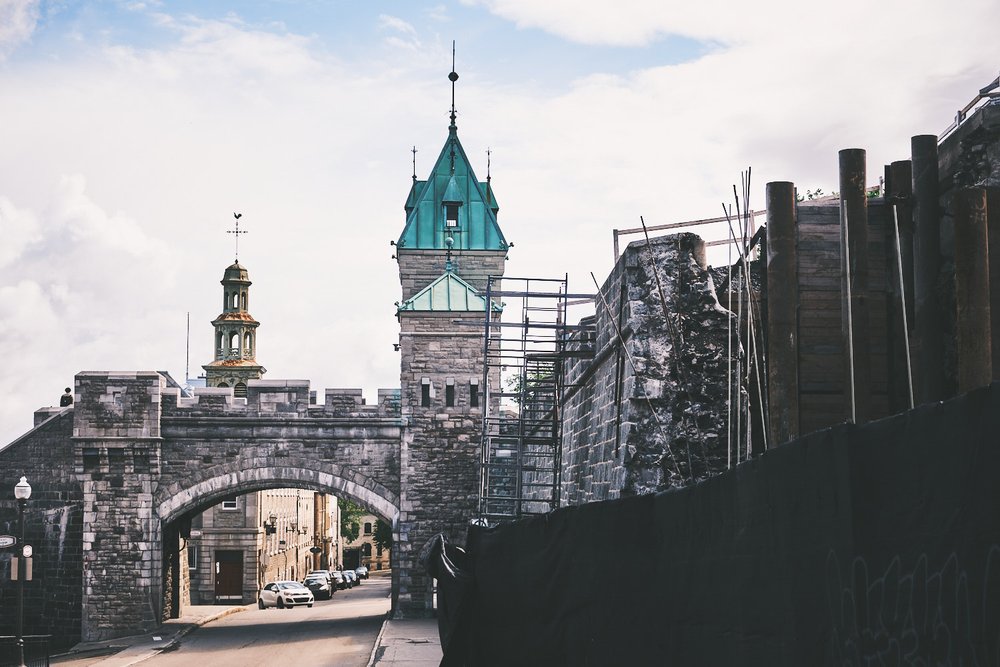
854, 283
993, 234
928, 339
972, 290
782, 313
900, 209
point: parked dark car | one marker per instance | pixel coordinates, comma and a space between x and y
351, 577
320, 585
339, 580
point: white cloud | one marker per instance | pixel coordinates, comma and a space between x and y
17, 23
99, 268
388, 22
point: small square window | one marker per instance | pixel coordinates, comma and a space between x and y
231, 503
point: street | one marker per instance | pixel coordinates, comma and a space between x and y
340, 632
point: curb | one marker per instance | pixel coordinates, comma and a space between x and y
378, 642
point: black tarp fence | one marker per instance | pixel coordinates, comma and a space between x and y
873, 545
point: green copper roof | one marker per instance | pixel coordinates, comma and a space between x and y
477, 215
448, 293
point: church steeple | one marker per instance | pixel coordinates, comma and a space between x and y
235, 334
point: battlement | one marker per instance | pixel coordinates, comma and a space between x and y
286, 398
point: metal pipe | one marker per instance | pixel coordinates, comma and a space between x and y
927, 315
782, 312
854, 255
972, 290
906, 332
993, 234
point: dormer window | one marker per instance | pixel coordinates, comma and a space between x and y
451, 216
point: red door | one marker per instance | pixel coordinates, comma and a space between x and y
229, 576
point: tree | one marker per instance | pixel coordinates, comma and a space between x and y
350, 519
383, 535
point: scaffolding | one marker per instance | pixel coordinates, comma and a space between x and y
523, 381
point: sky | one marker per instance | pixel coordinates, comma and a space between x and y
131, 131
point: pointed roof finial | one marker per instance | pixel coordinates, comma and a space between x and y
489, 154
237, 233
453, 77
414, 151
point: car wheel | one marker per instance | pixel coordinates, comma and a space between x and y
260, 604
309, 605
281, 603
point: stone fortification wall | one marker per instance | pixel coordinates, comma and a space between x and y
53, 527
662, 424
288, 398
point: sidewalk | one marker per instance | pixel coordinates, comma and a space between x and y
126, 651
407, 643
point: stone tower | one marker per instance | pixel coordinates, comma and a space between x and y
450, 245
235, 336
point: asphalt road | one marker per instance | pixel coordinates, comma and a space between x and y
337, 632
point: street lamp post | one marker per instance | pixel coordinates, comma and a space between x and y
22, 491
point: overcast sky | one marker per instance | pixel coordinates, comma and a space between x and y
131, 131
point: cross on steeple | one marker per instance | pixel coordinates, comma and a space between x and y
237, 233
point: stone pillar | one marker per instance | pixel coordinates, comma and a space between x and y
972, 290
928, 340
782, 315
854, 283
116, 442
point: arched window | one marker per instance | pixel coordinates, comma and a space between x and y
367, 548
248, 344
218, 343
243, 300
234, 344
223, 385
368, 528
240, 390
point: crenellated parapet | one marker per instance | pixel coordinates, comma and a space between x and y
280, 398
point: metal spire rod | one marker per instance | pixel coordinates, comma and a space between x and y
414, 151
237, 233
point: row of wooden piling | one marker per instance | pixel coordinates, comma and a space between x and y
920, 300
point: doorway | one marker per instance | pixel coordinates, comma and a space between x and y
228, 576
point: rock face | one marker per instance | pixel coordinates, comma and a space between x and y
650, 410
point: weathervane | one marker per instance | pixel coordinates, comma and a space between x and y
237, 233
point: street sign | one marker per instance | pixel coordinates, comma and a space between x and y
7, 541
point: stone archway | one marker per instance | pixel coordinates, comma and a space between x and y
172, 506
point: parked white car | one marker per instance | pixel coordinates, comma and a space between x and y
284, 595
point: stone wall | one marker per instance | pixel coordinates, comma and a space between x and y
418, 268
53, 527
662, 424
439, 455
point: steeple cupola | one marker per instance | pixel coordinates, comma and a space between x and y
235, 346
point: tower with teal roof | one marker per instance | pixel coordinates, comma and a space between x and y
450, 245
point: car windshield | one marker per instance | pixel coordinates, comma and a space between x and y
317, 579
289, 584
